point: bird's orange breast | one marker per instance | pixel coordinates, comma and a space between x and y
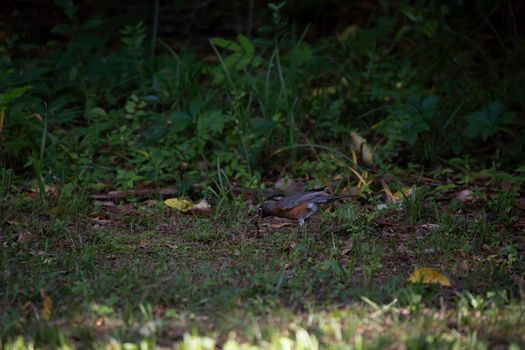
293, 214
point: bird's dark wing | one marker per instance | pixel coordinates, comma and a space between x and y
297, 199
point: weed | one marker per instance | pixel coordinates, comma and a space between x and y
502, 205
413, 204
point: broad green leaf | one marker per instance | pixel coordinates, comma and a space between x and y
196, 106
429, 104
68, 6
179, 121
237, 61
257, 62
488, 120
61, 28
249, 50
226, 44
411, 130
246, 45
261, 126
301, 53
91, 24
211, 121
60, 102
10, 95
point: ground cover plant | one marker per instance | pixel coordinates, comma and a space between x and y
414, 108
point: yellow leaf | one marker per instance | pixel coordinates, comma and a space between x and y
55, 211
180, 204
376, 125
362, 146
354, 156
400, 195
427, 275
185, 205
47, 306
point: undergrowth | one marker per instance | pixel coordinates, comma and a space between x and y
423, 83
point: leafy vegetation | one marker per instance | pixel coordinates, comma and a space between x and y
415, 107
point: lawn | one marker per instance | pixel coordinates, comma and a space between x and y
139, 274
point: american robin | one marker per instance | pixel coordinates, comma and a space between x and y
298, 206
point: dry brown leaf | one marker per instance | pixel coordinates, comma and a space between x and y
277, 223
347, 247
363, 148
520, 203
463, 196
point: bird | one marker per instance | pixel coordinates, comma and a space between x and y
299, 206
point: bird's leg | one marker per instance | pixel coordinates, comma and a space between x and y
312, 209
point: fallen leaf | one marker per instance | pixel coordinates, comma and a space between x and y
427, 275
506, 185
463, 196
364, 149
398, 196
180, 204
105, 203
520, 203
23, 236
277, 223
202, 166
348, 247
55, 211
188, 207
47, 306
202, 205
31, 195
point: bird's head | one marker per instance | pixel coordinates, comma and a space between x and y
266, 209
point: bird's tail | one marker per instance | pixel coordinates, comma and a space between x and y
340, 196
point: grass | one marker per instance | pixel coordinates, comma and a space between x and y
141, 275
99, 106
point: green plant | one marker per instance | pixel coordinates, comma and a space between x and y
489, 120
6, 178
502, 204
413, 203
